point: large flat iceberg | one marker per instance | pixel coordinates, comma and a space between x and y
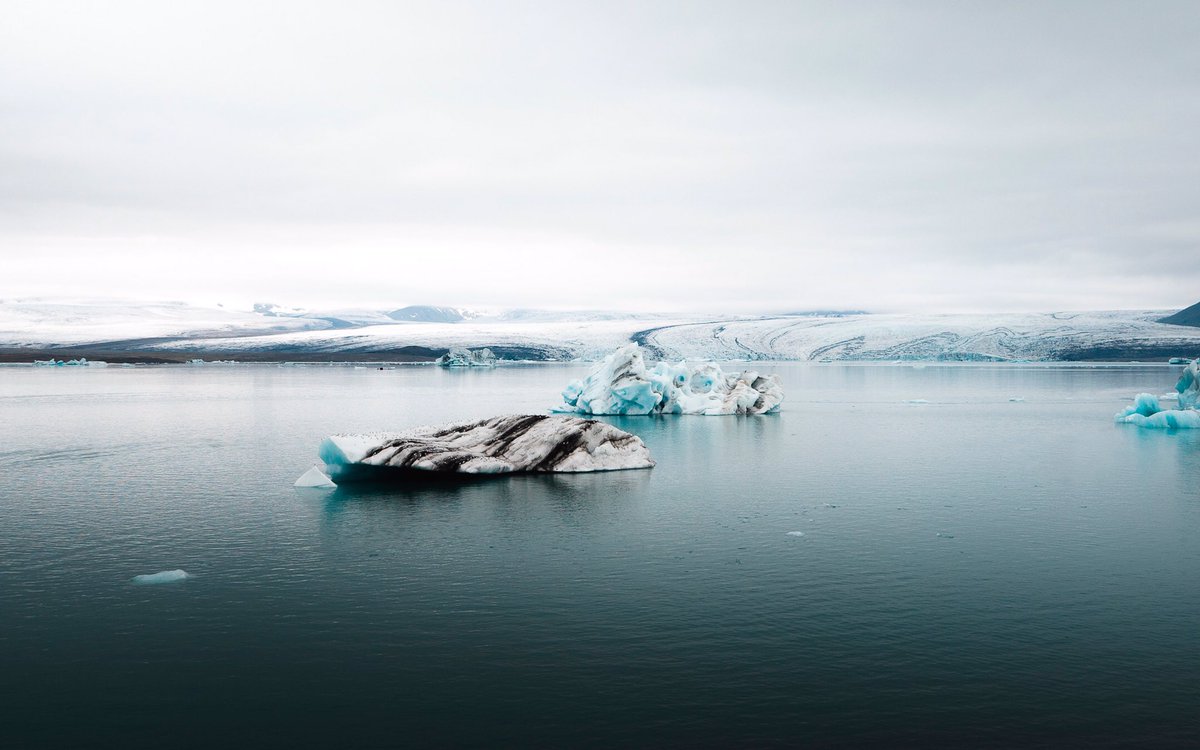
499, 445
1146, 412
624, 384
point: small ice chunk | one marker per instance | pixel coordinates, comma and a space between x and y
917, 401
1016, 400
166, 576
316, 478
944, 535
795, 533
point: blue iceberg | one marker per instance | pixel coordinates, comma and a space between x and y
624, 384
462, 357
1145, 410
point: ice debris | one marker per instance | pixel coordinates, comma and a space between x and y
1146, 411
795, 533
315, 478
166, 576
624, 384
81, 362
499, 445
461, 357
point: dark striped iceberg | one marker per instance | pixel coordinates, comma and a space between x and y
522, 443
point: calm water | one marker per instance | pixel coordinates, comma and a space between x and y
972, 571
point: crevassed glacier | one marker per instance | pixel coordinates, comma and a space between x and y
624, 384
461, 357
499, 445
1146, 412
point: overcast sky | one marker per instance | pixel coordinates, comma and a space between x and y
723, 157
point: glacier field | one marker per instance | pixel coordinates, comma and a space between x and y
32, 329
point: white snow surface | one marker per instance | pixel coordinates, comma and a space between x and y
624, 384
175, 326
498, 445
46, 323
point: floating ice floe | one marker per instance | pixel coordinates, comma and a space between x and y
1146, 411
460, 357
315, 478
917, 401
500, 445
166, 576
623, 384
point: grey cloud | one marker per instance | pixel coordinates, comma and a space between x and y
736, 156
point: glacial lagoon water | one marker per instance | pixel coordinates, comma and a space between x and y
971, 571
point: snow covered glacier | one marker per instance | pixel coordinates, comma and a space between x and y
624, 384
1146, 411
534, 443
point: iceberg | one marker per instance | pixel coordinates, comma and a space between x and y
1146, 411
166, 576
315, 478
1188, 386
461, 357
624, 384
521, 443
81, 362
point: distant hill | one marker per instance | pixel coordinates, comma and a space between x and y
1189, 316
427, 314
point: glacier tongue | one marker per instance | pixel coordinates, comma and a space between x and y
499, 445
623, 384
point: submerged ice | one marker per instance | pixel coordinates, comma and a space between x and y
166, 576
1145, 411
624, 384
499, 445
